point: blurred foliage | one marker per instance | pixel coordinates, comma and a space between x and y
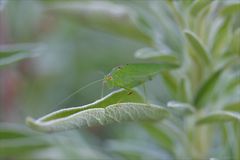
49, 49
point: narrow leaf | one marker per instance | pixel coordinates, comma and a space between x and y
23, 146
233, 107
171, 82
231, 9
160, 135
179, 106
151, 54
198, 6
184, 90
234, 46
13, 53
206, 89
15, 56
134, 149
18, 140
198, 47
233, 83
10, 131
176, 14
221, 37
219, 117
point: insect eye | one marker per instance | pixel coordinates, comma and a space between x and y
108, 78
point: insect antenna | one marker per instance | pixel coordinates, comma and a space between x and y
78, 90
145, 93
102, 89
102, 92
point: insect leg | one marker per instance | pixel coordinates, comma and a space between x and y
145, 93
102, 91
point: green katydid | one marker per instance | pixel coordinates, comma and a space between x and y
125, 76
131, 75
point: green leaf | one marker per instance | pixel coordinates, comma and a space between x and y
206, 89
107, 17
233, 83
234, 46
219, 117
200, 23
8, 131
13, 57
22, 146
141, 21
134, 149
233, 107
17, 140
229, 62
198, 47
186, 4
171, 82
221, 37
115, 97
160, 135
184, 90
119, 112
13, 53
131, 75
176, 14
179, 106
107, 110
151, 54
198, 6
231, 9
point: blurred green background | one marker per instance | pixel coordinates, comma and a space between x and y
64, 54
69, 57
50, 48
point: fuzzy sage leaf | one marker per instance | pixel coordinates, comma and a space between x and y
220, 117
179, 106
16, 52
19, 140
206, 89
198, 6
152, 54
235, 106
116, 107
198, 47
231, 9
